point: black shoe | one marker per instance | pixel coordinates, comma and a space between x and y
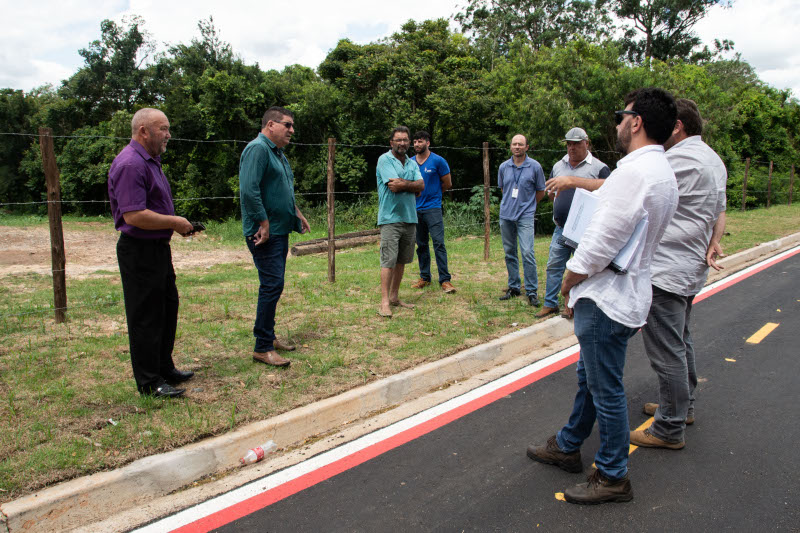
551, 454
164, 391
510, 293
600, 489
175, 376
533, 300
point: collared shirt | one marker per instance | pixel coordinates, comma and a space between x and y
432, 171
396, 206
643, 185
527, 178
266, 188
136, 182
679, 264
590, 167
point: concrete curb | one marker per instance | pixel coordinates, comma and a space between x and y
79, 502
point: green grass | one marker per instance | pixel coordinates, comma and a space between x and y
61, 383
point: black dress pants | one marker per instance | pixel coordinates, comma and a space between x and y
151, 307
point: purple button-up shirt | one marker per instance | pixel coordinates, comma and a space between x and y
136, 182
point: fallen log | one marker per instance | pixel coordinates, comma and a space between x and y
345, 240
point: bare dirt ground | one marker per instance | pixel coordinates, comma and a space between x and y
90, 247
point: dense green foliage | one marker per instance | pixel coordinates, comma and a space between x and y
523, 66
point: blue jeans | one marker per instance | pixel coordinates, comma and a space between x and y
556, 264
669, 347
270, 260
430, 222
601, 394
510, 231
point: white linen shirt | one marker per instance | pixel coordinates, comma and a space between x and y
642, 185
679, 264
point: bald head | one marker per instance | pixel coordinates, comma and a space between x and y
519, 147
150, 128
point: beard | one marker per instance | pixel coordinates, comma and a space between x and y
624, 140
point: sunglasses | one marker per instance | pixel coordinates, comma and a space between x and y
288, 125
620, 115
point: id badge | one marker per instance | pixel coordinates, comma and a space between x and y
514, 193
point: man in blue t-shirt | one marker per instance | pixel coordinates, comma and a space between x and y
436, 173
521, 179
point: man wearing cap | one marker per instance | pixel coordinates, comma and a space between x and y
577, 169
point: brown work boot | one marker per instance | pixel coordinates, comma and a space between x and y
544, 311
551, 454
283, 346
600, 489
420, 284
270, 358
646, 439
448, 288
650, 409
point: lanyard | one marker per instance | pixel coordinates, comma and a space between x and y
517, 173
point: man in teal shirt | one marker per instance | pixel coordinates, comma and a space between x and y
399, 181
269, 214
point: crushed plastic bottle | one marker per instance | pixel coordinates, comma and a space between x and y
256, 454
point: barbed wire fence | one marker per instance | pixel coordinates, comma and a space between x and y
761, 174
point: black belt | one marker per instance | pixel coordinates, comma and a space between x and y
143, 240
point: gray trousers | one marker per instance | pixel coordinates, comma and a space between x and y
669, 347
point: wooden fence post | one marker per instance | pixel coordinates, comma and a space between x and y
486, 223
331, 217
59, 260
769, 186
791, 185
744, 183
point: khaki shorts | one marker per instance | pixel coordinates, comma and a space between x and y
397, 243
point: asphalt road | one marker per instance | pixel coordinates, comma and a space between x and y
739, 469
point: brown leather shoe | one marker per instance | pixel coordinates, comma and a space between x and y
551, 454
448, 288
646, 439
650, 409
270, 358
420, 284
600, 489
283, 346
544, 311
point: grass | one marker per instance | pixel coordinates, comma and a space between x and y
69, 403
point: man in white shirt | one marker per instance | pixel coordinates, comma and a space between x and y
609, 308
678, 271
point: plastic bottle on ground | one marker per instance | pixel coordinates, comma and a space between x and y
254, 455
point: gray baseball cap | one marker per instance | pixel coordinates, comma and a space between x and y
576, 134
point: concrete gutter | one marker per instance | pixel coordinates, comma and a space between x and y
82, 501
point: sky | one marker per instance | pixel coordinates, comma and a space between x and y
39, 41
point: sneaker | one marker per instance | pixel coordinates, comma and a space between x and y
551, 454
544, 311
510, 293
533, 300
448, 288
650, 409
420, 284
645, 439
600, 489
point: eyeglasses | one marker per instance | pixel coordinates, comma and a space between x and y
620, 115
289, 125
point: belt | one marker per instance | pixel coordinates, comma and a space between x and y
144, 241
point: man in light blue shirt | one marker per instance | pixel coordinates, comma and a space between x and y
522, 181
399, 181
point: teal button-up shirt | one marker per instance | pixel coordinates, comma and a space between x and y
266, 188
396, 206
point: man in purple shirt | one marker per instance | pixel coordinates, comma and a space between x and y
141, 202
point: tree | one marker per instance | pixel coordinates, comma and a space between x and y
666, 25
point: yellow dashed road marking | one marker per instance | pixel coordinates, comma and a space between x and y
728, 359
560, 496
759, 335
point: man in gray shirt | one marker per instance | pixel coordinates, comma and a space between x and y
679, 270
577, 169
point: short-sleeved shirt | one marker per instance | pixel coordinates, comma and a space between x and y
266, 188
528, 178
396, 206
432, 171
590, 167
679, 264
136, 182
